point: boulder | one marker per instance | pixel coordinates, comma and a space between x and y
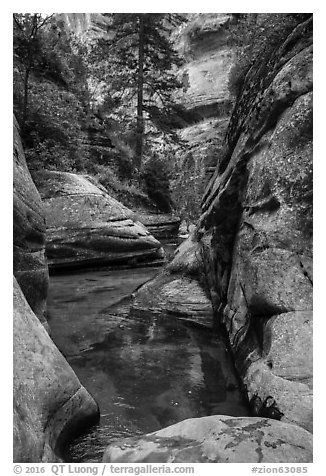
217, 439
177, 296
256, 232
187, 258
30, 267
160, 225
178, 291
85, 226
50, 404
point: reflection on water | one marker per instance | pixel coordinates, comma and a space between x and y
145, 372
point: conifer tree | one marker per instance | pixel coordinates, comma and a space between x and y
142, 61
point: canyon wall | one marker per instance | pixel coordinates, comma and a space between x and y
251, 252
30, 267
49, 402
205, 96
256, 232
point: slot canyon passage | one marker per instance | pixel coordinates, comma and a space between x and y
163, 250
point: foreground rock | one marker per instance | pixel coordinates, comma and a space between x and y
178, 296
178, 291
256, 232
30, 266
217, 439
85, 226
50, 404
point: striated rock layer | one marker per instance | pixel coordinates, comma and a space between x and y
217, 439
50, 404
205, 96
30, 267
203, 43
256, 232
85, 226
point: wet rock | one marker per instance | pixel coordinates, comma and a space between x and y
178, 291
50, 404
85, 226
217, 439
187, 258
256, 232
177, 296
30, 267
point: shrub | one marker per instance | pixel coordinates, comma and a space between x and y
156, 177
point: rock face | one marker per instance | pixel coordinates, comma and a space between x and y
205, 96
202, 41
30, 266
256, 232
217, 439
50, 404
85, 226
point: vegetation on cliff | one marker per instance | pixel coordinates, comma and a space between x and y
50, 92
74, 99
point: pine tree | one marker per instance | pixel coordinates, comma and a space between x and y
142, 61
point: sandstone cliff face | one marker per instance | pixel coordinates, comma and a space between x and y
30, 266
205, 94
256, 233
202, 41
94, 24
85, 226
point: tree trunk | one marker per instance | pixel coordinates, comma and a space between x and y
140, 87
25, 101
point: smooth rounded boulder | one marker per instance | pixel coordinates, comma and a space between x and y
87, 227
217, 439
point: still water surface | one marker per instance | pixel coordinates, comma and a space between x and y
145, 372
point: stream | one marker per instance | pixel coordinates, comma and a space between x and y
145, 372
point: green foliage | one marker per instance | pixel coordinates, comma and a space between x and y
137, 64
128, 192
50, 92
156, 175
188, 186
